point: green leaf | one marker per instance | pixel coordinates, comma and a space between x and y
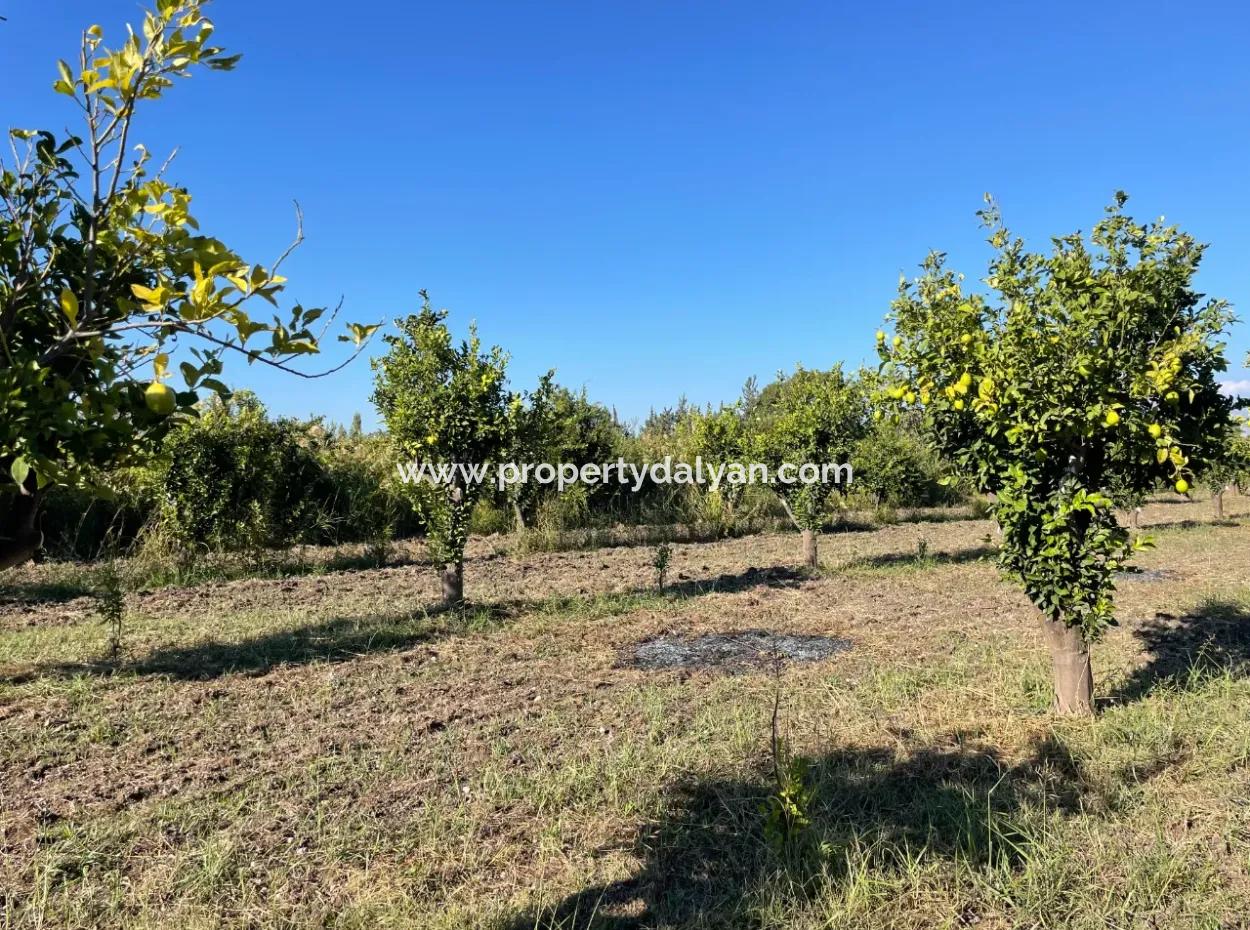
361, 332
20, 469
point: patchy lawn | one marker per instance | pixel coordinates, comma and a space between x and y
326, 750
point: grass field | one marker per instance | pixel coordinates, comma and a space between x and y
322, 750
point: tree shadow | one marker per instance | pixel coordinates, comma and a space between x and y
918, 560
334, 640
1190, 524
344, 638
1214, 638
703, 863
777, 576
57, 591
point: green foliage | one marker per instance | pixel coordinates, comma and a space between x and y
721, 439
1093, 369
660, 560
103, 270
894, 467
787, 809
238, 480
1229, 465
110, 604
553, 424
89, 523
358, 495
812, 417
443, 403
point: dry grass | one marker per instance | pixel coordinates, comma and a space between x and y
325, 750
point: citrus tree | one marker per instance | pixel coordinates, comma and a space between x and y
443, 404
104, 275
556, 425
720, 439
1229, 467
809, 418
1088, 368
234, 479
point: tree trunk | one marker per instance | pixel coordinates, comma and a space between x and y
20, 538
453, 585
520, 517
1073, 675
1135, 513
809, 549
1218, 500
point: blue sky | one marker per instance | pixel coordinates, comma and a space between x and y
662, 198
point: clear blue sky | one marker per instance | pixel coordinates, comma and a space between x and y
662, 198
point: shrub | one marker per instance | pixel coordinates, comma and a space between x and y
896, 468
236, 479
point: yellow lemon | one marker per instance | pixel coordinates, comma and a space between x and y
1111, 419
959, 404
880, 336
898, 341
910, 397
1155, 430
160, 399
1182, 486
965, 338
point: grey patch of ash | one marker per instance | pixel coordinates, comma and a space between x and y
1148, 575
745, 648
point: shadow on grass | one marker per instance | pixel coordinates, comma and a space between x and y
778, 576
334, 640
1190, 524
52, 591
704, 864
1213, 639
344, 638
890, 560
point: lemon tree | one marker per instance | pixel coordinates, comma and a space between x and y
1088, 368
104, 275
809, 418
444, 404
720, 439
1229, 467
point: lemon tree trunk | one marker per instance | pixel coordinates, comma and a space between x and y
20, 538
453, 584
1073, 674
809, 548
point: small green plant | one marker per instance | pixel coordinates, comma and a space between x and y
378, 549
660, 562
787, 809
110, 605
922, 549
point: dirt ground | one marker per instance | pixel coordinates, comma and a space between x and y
331, 750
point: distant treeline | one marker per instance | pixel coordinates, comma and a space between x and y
235, 479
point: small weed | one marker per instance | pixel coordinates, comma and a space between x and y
110, 605
660, 562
